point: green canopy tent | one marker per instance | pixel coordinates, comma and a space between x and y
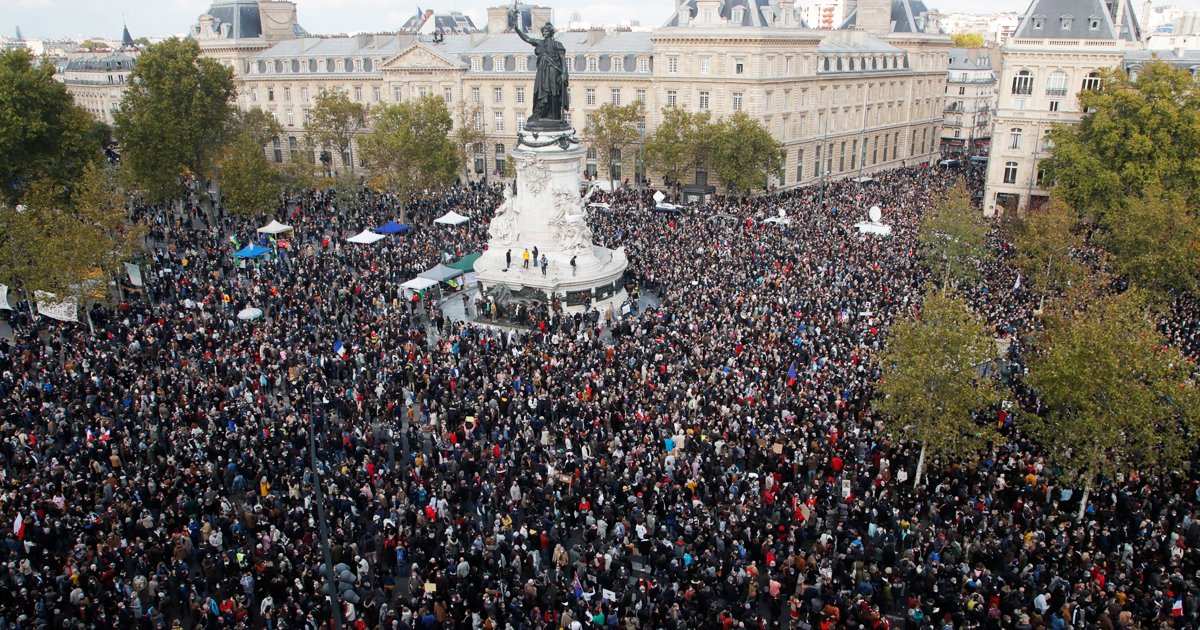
466, 263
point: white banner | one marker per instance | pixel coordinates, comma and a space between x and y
50, 306
4, 298
135, 274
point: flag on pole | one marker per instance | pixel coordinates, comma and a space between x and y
1177, 608
339, 349
792, 374
90, 436
19, 529
576, 587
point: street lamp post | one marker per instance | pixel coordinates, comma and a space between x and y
335, 600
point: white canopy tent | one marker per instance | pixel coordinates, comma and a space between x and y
366, 237
4, 298
274, 227
451, 218
419, 284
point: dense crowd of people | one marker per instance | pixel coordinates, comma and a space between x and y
712, 461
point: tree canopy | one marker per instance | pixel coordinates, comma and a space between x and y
173, 117
470, 134
43, 134
1141, 136
745, 153
680, 144
931, 382
967, 40
953, 236
1117, 398
409, 146
1047, 243
610, 130
1155, 242
249, 185
334, 120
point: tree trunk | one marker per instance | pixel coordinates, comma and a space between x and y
1087, 489
920, 467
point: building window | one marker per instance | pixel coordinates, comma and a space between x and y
817, 163
253, 95
1066, 22
641, 96
479, 121
842, 157
593, 64
618, 64
277, 150
1010, 173
520, 96
497, 95
591, 96
423, 91
703, 101
1039, 21
737, 101
475, 98
1023, 83
1091, 82
480, 157
1094, 23
522, 63
705, 62
740, 68
304, 94
614, 164
499, 121
616, 97
291, 118
358, 93
447, 94
672, 98
396, 94
1053, 106
643, 64
1056, 85
1015, 138
672, 64
287, 93
375, 93
476, 64
800, 165
499, 155
270, 94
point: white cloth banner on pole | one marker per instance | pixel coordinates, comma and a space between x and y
135, 274
4, 298
50, 306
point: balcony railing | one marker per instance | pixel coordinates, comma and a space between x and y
1056, 91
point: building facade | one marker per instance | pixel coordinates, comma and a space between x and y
970, 100
843, 102
97, 80
1057, 51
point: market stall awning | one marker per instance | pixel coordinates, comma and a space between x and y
274, 227
466, 263
365, 237
451, 218
391, 227
250, 251
441, 273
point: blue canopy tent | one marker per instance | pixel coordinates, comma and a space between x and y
251, 251
391, 227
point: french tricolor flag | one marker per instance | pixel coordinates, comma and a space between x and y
19, 526
339, 349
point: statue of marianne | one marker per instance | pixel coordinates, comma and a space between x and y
550, 95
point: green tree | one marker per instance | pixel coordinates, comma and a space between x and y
745, 153
1045, 242
610, 130
1140, 136
931, 381
1117, 398
967, 40
1155, 241
470, 135
43, 134
680, 144
259, 126
249, 186
298, 176
409, 146
953, 235
58, 239
173, 117
91, 45
334, 120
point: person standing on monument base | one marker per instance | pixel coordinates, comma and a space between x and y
525, 258
507, 259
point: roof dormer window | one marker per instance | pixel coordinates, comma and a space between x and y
738, 13
1094, 23
1066, 22
1039, 21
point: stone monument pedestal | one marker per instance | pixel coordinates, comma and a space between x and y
547, 213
